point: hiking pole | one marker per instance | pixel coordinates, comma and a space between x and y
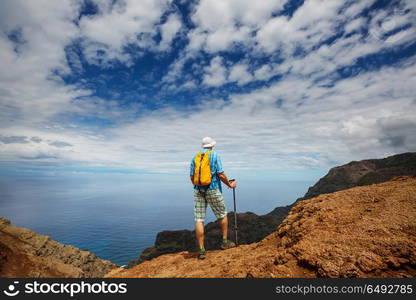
235, 216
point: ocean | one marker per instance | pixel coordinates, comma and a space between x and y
117, 216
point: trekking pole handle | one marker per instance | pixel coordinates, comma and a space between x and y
231, 180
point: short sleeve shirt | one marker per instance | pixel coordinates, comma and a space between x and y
216, 169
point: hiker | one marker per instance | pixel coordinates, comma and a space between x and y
206, 175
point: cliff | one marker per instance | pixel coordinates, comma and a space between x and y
364, 172
24, 253
366, 231
253, 228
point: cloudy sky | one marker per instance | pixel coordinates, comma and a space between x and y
134, 85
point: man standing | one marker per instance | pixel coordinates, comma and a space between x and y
207, 190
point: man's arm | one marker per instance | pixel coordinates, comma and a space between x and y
192, 170
222, 175
224, 179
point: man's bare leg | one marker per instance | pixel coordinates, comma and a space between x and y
224, 227
226, 243
199, 232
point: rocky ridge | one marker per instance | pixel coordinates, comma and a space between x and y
364, 172
251, 228
24, 253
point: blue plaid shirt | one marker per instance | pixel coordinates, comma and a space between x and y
216, 168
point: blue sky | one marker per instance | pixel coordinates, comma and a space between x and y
133, 86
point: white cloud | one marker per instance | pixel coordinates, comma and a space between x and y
29, 89
233, 22
252, 26
215, 73
354, 25
273, 35
311, 24
384, 24
240, 74
124, 23
357, 7
264, 72
169, 30
224, 38
31, 92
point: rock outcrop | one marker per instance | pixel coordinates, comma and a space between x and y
253, 228
366, 231
24, 253
364, 172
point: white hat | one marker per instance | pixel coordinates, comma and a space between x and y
208, 142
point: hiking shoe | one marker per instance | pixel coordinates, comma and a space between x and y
227, 245
201, 255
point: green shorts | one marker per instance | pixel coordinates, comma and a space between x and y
212, 197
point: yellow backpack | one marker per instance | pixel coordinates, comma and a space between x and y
202, 173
